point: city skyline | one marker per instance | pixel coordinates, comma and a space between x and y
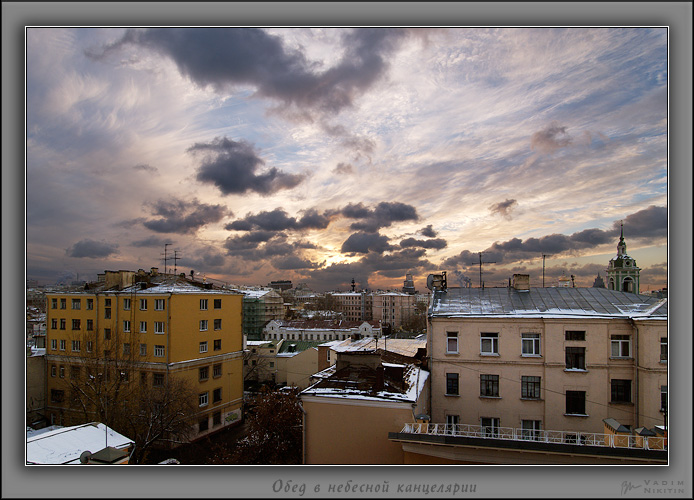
326, 155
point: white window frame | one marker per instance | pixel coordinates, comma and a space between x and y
451, 423
62, 344
493, 339
159, 304
76, 346
203, 347
126, 326
143, 304
127, 304
451, 336
90, 346
159, 351
143, 327
215, 322
159, 327
492, 423
54, 344
531, 429
203, 304
203, 398
617, 343
530, 344
76, 304
203, 325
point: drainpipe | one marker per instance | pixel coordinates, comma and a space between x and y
303, 434
636, 374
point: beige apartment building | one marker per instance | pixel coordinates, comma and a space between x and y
354, 306
393, 308
535, 360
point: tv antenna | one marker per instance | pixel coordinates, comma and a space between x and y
480, 263
175, 259
165, 259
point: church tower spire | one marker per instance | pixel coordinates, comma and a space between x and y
622, 273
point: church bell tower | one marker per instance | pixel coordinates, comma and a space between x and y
622, 272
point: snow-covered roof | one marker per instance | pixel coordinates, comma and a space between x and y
546, 302
405, 347
65, 445
177, 286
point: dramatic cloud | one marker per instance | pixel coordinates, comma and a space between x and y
150, 242
343, 169
279, 220
429, 232
503, 208
184, 217
365, 243
92, 249
436, 244
383, 215
231, 166
550, 139
648, 224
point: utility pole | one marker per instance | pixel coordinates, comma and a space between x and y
480, 263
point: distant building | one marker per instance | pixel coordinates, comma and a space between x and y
598, 283
393, 308
320, 330
408, 286
281, 285
622, 272
259, 307
354, 306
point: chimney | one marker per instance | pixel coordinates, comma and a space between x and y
380, 378
521, 281
154, 271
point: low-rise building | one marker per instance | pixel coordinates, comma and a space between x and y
320, 330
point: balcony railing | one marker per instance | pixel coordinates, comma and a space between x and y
554, 437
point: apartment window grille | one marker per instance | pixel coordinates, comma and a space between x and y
489, 343
621, 346
452, 342
530, 387
75, 372
620, 391
575, 358
57, 395
530, 344
489, 386
575, 402
452, 384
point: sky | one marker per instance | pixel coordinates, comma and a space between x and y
322, 155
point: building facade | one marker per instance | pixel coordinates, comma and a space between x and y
135, 332
259, 307
393, 308
354, 306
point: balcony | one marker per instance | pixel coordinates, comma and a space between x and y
510, 434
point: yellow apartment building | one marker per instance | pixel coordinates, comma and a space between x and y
136, 330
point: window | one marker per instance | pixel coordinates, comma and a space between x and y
490, 426
217, 418
530, 387
107, 302
451, 384
159, 327
530, 429
143, 349
489, 343
575, 358
158, 379
125, 375
75, 372
143, 327
620, 391
218, 344
54, 323
452, 342
90, 325
63, 303
126, 349
54, 344
126, 326
218, 324
107, 313
489, 386
574, 335
203, 325
54, 370
217, 371
159, 351
61, 370
272, 364
203, 399
203, 346
530, 344
203, 304
76, 344
57, 396
90, 304
663, 349
107, 334
62, 345
63, 323
127, 304
575, 402
143, 378
217, 303
204, 373
663, 398
143, 304
217, 395
451, 422
621, 346
76, 304
203, 424
54, 303
90, 346
158, 304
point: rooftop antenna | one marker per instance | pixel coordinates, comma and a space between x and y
480, 263
175, 259
165, 259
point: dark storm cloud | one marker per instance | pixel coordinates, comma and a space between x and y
183, 217
396, 263
232, 165
203, 259
436, 244
383, 215
646, 226
429, 232
343, 169
279, 220
503, 208
146, 168
150, 242
227, 57
292, 262
365, 243
92, 249
249, 241
550, 139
